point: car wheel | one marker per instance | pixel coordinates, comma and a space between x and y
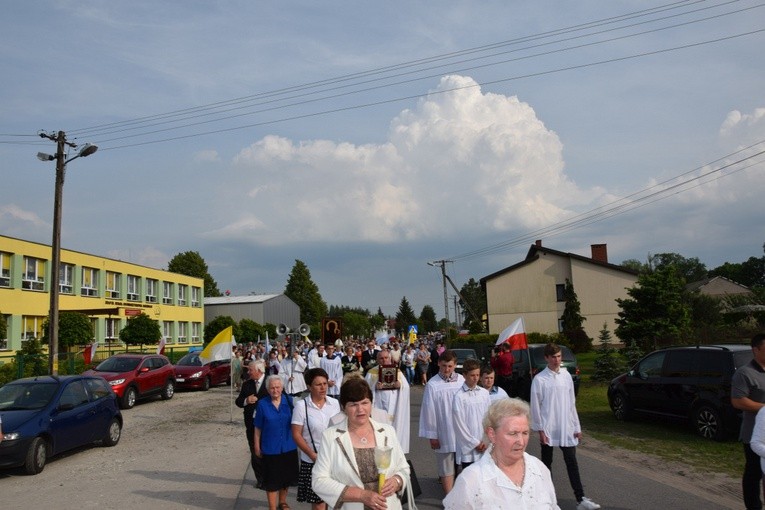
113, 433
129, 398
169, 390
206, 384
708, 423
621, 407
37, 455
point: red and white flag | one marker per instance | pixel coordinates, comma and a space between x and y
161, 346
89, 353
515, 335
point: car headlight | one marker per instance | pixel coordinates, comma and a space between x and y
11, 436
196, 375
117, 382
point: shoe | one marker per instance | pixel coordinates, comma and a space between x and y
587, 504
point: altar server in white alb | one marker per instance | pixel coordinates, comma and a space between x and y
395, 402
332, 363
437, 418
470, 405
293, 373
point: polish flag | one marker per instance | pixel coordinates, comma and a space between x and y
515, 335
89, 353
161, 346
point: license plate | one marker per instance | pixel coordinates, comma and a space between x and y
179, 379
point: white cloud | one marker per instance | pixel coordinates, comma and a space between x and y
146, 256
460, 160
13, 213
744, 128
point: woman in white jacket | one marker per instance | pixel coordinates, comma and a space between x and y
345, 474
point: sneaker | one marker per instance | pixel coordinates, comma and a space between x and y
587, 504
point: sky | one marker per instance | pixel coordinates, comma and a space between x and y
367, 139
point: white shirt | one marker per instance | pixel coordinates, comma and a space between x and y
469, 407
318, 421
482, 486
758, 437
436, 418
314, 358
497, 393
294, 368
553, 407
334, 369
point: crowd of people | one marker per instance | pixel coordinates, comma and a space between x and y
334, 420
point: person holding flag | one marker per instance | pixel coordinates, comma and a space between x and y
511, 338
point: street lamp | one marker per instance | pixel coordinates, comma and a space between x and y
61, 161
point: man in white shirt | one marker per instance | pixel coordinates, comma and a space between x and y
315, 355
437, 419
470, 406
553, 414
333, 365
395, 402
293, 373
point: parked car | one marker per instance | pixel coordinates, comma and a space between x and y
688, 383
137, 376
191, 373
462, 355
528, 363
44, 416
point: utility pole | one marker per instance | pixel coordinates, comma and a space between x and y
442, 263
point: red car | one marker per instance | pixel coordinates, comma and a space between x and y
136, 376
191, 373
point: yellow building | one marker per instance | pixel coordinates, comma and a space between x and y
108, 291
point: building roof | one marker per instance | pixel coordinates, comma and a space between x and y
231, 300
533, 255
727, 283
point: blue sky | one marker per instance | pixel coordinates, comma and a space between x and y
559, 108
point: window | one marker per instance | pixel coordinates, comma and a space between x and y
167, 331
195, 328
89, 285
133, 288
113, 285
682, 363
5, 269
182, 294
151, 290
98, 387
195, 293
112, 330
182, 330
65, 278
74, 395
651, 366
31, 327
560, 292
167, 293
34, 274
4, 341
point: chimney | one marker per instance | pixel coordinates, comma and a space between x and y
599, 252
538, 243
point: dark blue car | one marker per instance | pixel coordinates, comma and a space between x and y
44, 416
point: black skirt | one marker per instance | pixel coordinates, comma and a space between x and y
305, 493
280, 470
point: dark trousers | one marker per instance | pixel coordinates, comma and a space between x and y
257, 463
752, 479
506, 383
572, 466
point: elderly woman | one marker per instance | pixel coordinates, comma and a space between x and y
508, 477
274, 443
310, 419
345, 473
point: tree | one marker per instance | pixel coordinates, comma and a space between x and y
377, 321
475, 299
573, 321
405, 316
249, 331
141, 330
218, 324
191, 263
74, 328
305, 293
656, 313
428, 319
635, 265
356, 324
690, 269
608, 363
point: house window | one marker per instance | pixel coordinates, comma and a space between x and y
133, 288
112, 333
195, 327
167, 331
4, 341
182, 289
89, 285
113, 285
65, 278
151, 290
167, 293
182, 330
31, 327
34, 274
560, 292
5, 269
195, 293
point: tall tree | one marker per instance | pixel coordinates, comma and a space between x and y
405, 316
428, 319
573, 321
249, 331
191, 263
377, 321
656, 313
475, 300
220, 323
305, 293
691, 269
356, 324
141, 330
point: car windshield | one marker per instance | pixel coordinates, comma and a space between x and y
190, 360
26, 396
118, 364
463, 354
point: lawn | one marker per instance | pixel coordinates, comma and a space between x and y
673, 441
